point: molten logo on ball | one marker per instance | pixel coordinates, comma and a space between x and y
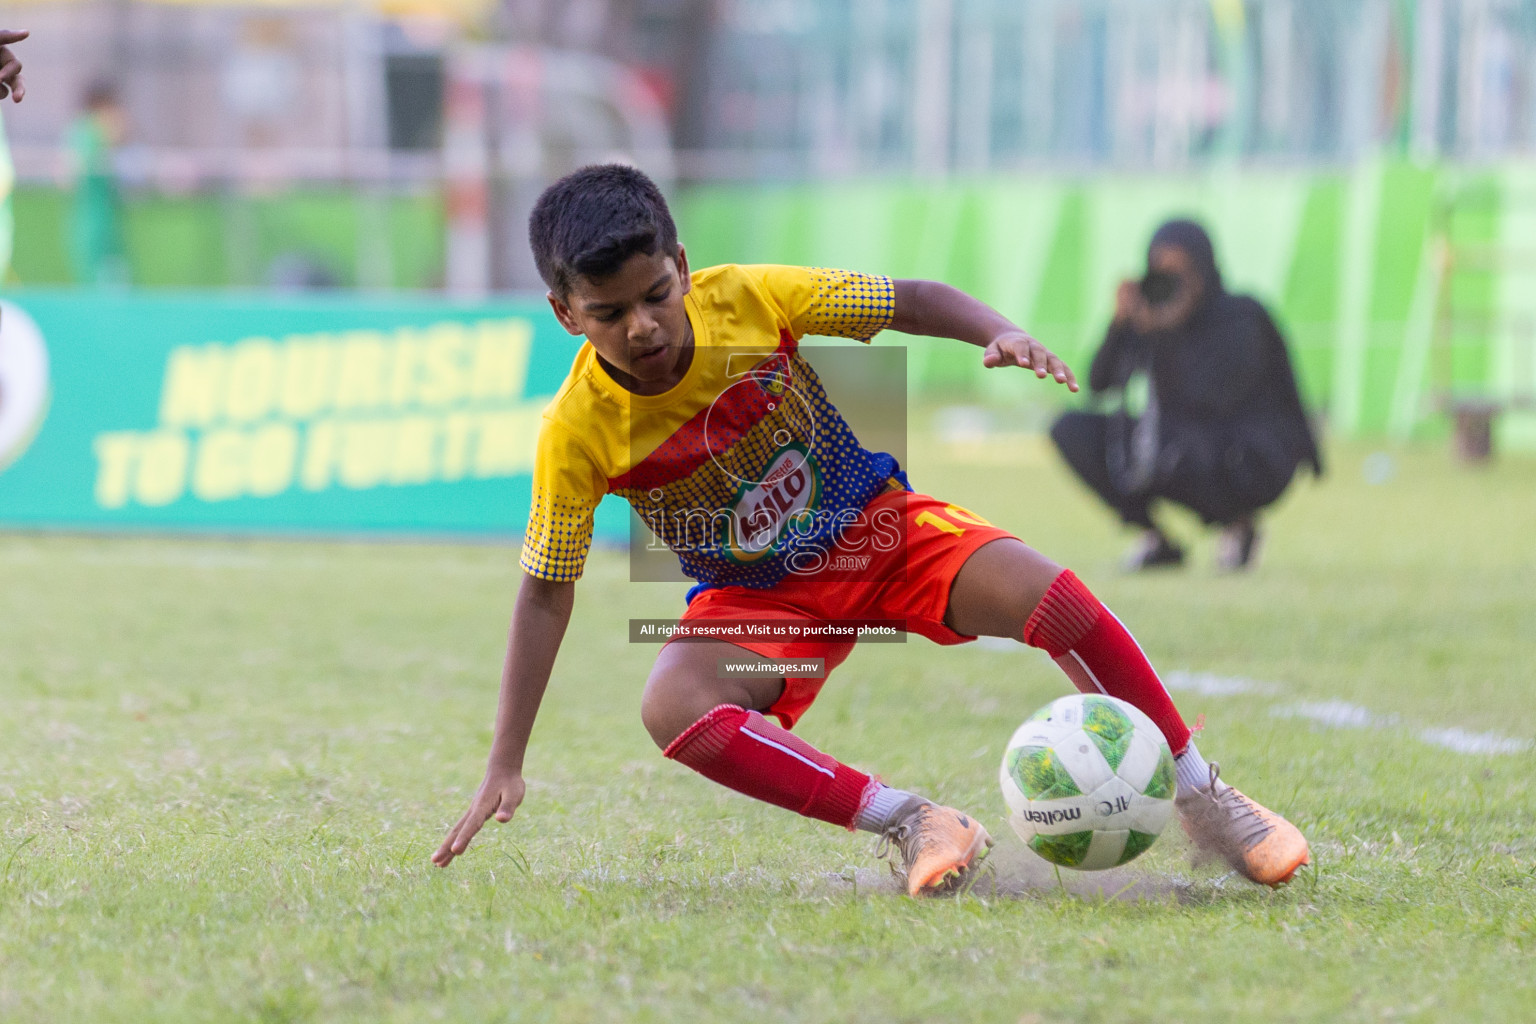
1089, 781
23, 382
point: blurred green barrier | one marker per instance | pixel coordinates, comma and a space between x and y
349, 236
1345, 260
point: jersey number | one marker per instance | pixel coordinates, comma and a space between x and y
955, 514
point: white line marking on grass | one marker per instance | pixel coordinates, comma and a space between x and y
1339, 714
1464, 742
1209, 684
1330, 714
1336, 714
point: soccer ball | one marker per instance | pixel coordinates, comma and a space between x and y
1089, 782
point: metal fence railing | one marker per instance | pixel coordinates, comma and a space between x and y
810, 87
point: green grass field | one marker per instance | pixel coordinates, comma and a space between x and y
223, 765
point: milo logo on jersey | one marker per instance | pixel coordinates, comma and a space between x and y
783, 502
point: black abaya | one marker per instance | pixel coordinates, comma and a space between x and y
1224, 430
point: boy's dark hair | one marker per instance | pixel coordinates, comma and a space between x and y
592, 220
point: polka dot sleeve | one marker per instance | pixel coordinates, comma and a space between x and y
832, 303
566, 489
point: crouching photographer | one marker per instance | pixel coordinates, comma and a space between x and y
1204, 407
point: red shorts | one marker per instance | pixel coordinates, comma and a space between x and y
896, 563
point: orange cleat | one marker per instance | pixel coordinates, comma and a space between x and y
939, 847
1258, 844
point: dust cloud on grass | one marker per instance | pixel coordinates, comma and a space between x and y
1012, 871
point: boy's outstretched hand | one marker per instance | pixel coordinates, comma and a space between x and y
539, 618
10, 68
1019, 349
498, 796
936, 310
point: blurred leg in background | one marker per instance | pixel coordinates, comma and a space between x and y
1083, 438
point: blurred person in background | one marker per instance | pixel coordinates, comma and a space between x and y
96, 235
1209, 413
10, 85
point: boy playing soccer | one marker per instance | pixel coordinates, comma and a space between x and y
692, 401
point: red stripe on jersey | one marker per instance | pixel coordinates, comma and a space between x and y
715, 429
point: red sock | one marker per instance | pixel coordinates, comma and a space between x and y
743, 751
1100, 655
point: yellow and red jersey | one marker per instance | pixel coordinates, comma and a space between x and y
745, 469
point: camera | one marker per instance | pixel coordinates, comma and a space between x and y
1159, 287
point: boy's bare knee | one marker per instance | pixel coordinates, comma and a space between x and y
997, 589
657, 714
673, 703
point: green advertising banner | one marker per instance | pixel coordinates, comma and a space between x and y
1397, 285
274, 414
